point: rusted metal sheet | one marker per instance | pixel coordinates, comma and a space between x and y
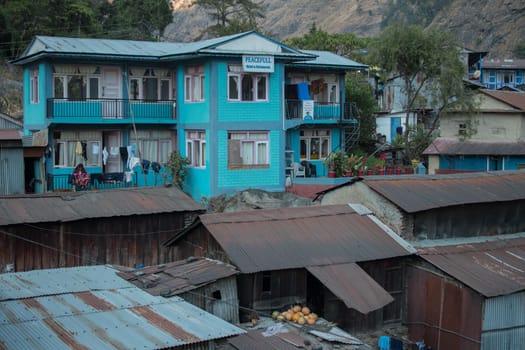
93, 308
287, 238
10, 135
71, 206
179, 276
442, 312
447, 146
420, 193
353, 286
254, 340
492, 268
515, 99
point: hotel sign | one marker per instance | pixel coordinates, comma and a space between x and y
259, 64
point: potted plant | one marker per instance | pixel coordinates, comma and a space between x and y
335, 164
380, 166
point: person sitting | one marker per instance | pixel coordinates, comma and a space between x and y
80, 178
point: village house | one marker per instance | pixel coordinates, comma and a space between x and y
244, 109
206, 283
11, 155
468, 293
90, 307
501, 74
439, 206
341, 262
491, 139
63, 229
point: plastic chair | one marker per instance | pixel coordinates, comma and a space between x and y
298, 170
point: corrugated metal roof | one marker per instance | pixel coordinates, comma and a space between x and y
418, 193
141, 50
330, 59
515, 99
446, 146
504, 63
9, 134
284, 238
494, 267
179, 276
70, 206
92, 308
365, 296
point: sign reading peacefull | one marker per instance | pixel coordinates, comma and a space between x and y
262, 64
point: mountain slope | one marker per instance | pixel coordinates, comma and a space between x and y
485, 25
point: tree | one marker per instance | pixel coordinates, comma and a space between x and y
519, 51
429, 63
26, 18
358, 90
231, 16
346, 44
142, 19
176, 166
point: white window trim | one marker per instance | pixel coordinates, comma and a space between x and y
256, 143
34, 97
191, 144
87, 77
236, 71
194, 79
309, 138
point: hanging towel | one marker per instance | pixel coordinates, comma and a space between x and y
155, 166
131, 155
145, 166
105, 155
384, 342
78, 148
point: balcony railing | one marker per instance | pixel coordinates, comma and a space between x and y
323, 110
110, 109
64, 182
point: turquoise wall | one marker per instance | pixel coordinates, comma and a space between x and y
193, 112
479, 163
35, 114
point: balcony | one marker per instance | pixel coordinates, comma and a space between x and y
322, 111
64, 182
110, 110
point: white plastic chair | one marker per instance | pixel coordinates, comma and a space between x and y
298, 170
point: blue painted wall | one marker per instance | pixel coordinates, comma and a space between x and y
479, 163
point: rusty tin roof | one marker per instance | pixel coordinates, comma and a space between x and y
492, 266
417, 193
449, 146
179, 276
91, 307
286, 238
71, 206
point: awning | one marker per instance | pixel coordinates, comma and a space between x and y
353, 286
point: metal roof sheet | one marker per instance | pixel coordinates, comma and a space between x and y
424, 192
503, 63
9, 134
330, 59
179, 276
284, 238
494, 267
515, 99
142, 50
70, 206
365, 296
448, 146
71, 308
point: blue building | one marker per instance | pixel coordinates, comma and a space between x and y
241, 108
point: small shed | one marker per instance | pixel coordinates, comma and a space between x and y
11, 157
90, 307
206, 283
340, 261
421, 207
469, 293
63, 229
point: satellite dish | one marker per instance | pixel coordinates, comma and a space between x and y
476, 75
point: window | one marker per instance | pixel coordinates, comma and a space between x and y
155, 145
196, 148
194, 84
246, 86
462, 129
33, 87
393, 285
314, 144
151, 84
76, 82
247, 148
266, 281
72, 148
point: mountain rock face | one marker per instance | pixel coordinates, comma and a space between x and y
496, 26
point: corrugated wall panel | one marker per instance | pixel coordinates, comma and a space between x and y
11, 171
504, 323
